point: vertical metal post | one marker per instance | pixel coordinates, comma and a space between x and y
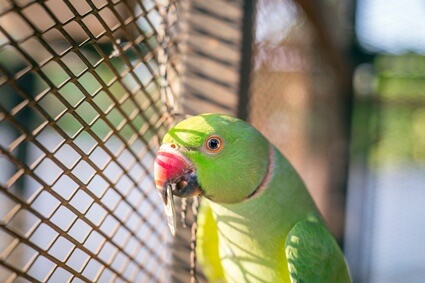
359, 240
248, 37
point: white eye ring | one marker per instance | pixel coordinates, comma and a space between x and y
214, 144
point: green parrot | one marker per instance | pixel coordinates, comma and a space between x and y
257, 221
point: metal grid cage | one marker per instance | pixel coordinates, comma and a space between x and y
300, 89
80, 109
82, 87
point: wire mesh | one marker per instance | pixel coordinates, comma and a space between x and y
300, 87
212, 62
80, 113
212, 58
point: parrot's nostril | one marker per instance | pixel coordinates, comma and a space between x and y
173, 146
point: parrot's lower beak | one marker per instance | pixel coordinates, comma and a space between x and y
172, 168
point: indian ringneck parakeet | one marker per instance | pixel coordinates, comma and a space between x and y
257, 222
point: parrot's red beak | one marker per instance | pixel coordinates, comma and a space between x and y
172, 168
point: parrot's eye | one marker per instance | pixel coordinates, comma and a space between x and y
214, 144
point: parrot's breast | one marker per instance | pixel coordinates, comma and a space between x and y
252, 233
246, 257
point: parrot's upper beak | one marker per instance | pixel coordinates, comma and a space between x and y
173, 168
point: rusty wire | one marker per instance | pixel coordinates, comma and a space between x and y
80, 109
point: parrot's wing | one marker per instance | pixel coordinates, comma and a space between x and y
207, 251
313, 254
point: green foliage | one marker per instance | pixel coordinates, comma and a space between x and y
389, 126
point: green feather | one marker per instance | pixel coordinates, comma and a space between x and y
309, 244
207, 245
223, 169
251, 237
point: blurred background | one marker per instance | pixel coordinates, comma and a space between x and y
85, 95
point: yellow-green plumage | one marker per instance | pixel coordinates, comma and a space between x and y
277, 235
207, 245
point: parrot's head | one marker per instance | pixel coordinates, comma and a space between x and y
217, 156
